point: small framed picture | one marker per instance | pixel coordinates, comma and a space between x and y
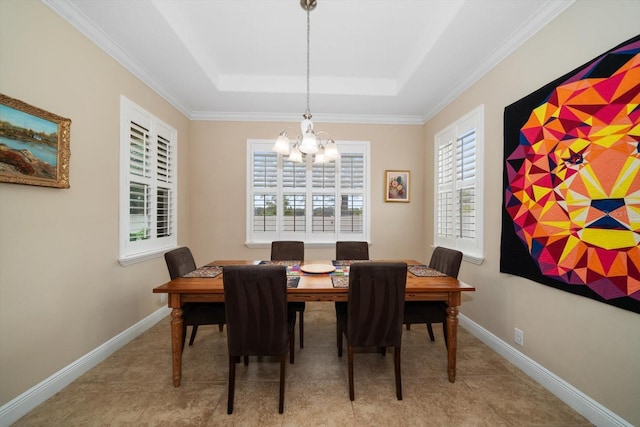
397, 185
34, 145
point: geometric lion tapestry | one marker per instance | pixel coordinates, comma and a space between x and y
571, 206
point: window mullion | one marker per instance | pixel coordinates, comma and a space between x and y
280, 199
309, 198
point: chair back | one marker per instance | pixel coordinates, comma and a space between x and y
446, 261
352, 250
376, 304
255, 298
285, 250
179, 262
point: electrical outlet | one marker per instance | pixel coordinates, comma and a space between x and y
518, 337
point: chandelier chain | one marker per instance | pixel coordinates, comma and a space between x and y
307, 142
308, 61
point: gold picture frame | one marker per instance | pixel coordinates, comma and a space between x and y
397, 185
34, 145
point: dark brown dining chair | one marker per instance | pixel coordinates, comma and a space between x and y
259, 322
291, 250
352, 250
347, 250
446, 261
374, 313
180, 262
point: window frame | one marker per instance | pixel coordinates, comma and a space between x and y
453, 134
311, 238
160, 149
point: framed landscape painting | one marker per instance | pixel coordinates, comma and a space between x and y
34, 145
396, 186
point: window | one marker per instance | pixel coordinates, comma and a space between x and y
458, 200
148, 172
315, 203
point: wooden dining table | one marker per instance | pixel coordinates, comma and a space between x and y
310, 287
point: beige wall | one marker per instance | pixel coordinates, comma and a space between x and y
62, 291
218, 183
591, 345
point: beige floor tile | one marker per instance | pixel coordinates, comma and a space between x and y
134, 387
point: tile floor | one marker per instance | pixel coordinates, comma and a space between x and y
133, 387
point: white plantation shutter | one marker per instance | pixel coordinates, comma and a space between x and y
265, 181
352, 185
324, 209
465, 178
444, 204
148, 183
295, 211
265, 170
323, 203
352, 171
324, 175
139, 150
264, 213
458, 210
300, 201
139, 211
140, 182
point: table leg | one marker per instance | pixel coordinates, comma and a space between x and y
452, 338
176, 345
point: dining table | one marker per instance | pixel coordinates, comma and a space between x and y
315, 283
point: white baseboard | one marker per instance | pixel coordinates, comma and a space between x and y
27, 401
580, 402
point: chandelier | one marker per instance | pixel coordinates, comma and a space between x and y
308, 141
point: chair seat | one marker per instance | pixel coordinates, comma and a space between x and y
203, 313
195, 314
297, 306
416, 312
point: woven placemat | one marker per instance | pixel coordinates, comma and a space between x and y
288, 263
292, 282
206, 271
347, 262
340, 281
424, 271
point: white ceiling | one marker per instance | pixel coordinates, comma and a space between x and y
372, 61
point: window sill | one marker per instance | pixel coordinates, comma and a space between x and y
134, 259
310, 245
473, 259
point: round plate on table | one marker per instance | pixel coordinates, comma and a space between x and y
317, 268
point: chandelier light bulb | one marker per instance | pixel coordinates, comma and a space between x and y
320, 156
282, 144
296, 155
331, 152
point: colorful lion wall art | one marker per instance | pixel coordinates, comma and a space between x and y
571, 215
